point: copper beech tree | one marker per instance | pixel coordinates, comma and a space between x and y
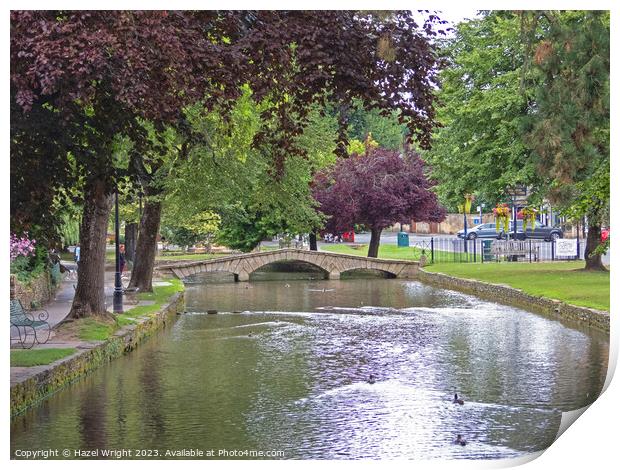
104, 72
376, 189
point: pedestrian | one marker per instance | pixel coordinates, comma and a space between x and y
121, 258
76, 253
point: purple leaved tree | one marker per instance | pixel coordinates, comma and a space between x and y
377, 189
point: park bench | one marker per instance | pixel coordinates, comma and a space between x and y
512, 249
24, 322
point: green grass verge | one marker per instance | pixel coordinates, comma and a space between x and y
91, 329
38, 357
159, 296
564, 280
411, 253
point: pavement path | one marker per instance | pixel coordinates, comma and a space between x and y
60, 306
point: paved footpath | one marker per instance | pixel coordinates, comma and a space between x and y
58, 310
59, 307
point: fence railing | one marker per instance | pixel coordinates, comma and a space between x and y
456, 250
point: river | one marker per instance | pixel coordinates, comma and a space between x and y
284, 368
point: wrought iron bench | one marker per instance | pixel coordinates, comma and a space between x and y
24, 322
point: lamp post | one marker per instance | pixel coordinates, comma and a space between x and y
518, 190
118, 286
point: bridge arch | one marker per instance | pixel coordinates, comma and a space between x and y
383, 272
323, 263
292, 266
241, 266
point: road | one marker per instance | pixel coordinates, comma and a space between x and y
442, 241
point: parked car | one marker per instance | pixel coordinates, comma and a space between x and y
489, 231
480, 231
540, 232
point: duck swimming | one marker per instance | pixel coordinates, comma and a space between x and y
371, 379
459, 440
458, 400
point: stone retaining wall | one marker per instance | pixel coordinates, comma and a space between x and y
516, 297
39, 290
65, 371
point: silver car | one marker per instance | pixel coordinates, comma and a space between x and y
480, 231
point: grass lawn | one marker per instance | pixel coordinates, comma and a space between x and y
565, 280
38, 357
92, 329
385, 251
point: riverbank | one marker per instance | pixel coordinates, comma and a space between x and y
563, 280
507, 295
91, 343
566, 281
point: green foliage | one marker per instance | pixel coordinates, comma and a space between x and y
225, 174
200, 227
28, 268
480, 150
386, 130
569, 130
39, 357
69, 229
526, 100
355, 147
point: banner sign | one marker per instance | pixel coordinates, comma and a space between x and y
566, 247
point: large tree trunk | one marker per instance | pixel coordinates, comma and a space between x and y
142, 272
593, 262
375, 238
89, 296
312, 239
131, 234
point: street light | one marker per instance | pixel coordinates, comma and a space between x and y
118, 286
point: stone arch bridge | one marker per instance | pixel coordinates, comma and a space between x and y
334, 264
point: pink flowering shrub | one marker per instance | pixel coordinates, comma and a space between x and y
22, 246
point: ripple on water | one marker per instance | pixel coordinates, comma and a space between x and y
289, 373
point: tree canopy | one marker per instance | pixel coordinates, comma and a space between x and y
525, 100
377, 189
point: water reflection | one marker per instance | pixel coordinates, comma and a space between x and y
288, 372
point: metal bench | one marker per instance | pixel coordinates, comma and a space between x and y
23, 321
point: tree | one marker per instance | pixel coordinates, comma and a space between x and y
569, 133
526, 100
386, 130
201, 228
104, 72
100, 72
377, 189
485, 97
